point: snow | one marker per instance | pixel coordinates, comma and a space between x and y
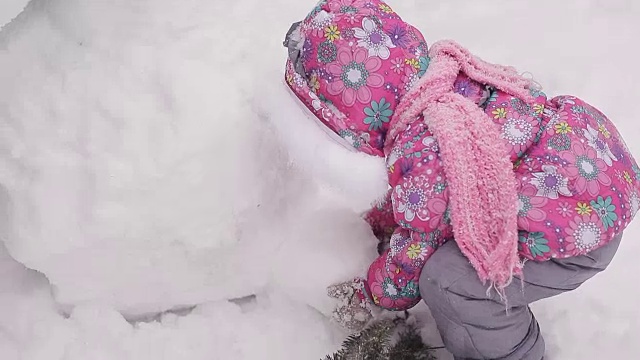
152, 169
9, 9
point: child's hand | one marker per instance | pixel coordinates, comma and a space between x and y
354, 310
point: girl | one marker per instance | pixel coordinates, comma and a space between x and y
489, 178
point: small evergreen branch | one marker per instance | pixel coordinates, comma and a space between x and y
410, 346
374, 343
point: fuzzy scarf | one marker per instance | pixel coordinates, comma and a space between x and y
480, 175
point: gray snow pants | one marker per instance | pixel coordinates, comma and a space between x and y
475, 325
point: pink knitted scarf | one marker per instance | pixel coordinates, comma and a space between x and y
483, 197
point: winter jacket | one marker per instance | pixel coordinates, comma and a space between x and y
577, 186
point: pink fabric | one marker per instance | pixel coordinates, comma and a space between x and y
473, 154
359, 59
503, 78
483, 194
483, 187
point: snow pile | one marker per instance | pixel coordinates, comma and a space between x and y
141, 171
9, 9
357, 179
132, 165
261, 328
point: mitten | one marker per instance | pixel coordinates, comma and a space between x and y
354, 309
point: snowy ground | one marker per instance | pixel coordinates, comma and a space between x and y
10, 9
142, 181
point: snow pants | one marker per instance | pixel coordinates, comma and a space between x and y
475, 325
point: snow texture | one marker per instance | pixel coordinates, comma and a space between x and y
9, 9
156, 198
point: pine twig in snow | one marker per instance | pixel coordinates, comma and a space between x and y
374, 343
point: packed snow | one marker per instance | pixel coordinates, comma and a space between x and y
9, 9
156, 203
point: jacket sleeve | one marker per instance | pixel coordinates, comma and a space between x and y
419, 199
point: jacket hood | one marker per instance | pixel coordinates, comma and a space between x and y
350, 62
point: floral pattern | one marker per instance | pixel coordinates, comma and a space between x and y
559, 142
633, 202
374, 39
564, 209
385, 8
377, 114
556, 118
356, 76
351, 53
410, 198
583, 208
606, 210
345, 6
397, 65
467, 88
588, 171
499, 113
558, 216
519, 131
535, 242
578, 184
399, 36
410, 290
437, 207
320, 21
550, 183
599, 145
424, 65
585, 233
563, 128
530, 207
416, 251
410, 77
332, 33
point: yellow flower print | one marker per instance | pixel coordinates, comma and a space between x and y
332, 33
414, 251
583, 209
385, 8
627, 177
499, 113
290, 79
603, 130
538, 108
412, 62
563, 128
314, 83
516, 165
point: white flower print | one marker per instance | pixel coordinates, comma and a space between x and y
322, 20
315, 101
599, 145
550, 183
374, 39
634, 203
410, 198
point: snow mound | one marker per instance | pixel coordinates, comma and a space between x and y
260, 328
9, 9
145, 166
139, 165
132, 168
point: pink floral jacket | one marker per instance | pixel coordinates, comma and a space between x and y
578, 187
352, 61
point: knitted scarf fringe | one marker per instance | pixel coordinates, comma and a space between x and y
483, 188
